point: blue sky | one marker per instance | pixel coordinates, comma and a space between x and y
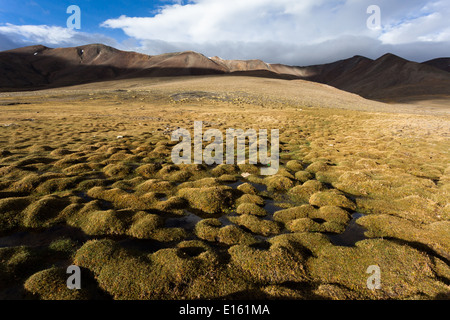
297, 32
94, 12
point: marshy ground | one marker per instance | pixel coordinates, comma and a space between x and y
86, 178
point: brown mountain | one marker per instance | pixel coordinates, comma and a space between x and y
440, 63
388, 78
40, 67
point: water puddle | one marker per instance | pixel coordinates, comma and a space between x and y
236, 184
259, 187
42, 238
187, 222
352, 234
271, 207
162, 197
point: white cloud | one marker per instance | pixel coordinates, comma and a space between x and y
307, 21
297, 32
288, 31
301, 54
433, 26
232, 20
23, 35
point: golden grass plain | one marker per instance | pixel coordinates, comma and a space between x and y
94, 161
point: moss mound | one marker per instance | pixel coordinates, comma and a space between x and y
278, 183
197, 246
18, 262
253, 178
318, 166
208, 229
201, 183
99, 223
31, 181
232, 235
294, 165
173, 205
290, 214
304, 192
250, 198
155, 185
280, 292
247, 188
306, 218
311, 244
169, 234
59, 152
224, 169
117, 170
50, 284
330, 198
413, 208
65, 247
44, 211
178, 176
78, 169
194, 169
337, 292
278, 264
57, 185
303, 176
123, 199
405, 272
434, 235
210, 200
10, 212
311, 225
285, 173
91, 183
148, 170
331, 213
223, 282
227, 178
167, 169
251, 208
166, 274
257, 225
126, 184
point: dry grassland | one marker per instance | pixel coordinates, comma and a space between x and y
86, 178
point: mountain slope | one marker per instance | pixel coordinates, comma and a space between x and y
388, 78
39, 66
440, 63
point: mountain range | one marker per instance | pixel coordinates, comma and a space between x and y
388, 78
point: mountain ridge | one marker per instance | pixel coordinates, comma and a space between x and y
387, 78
